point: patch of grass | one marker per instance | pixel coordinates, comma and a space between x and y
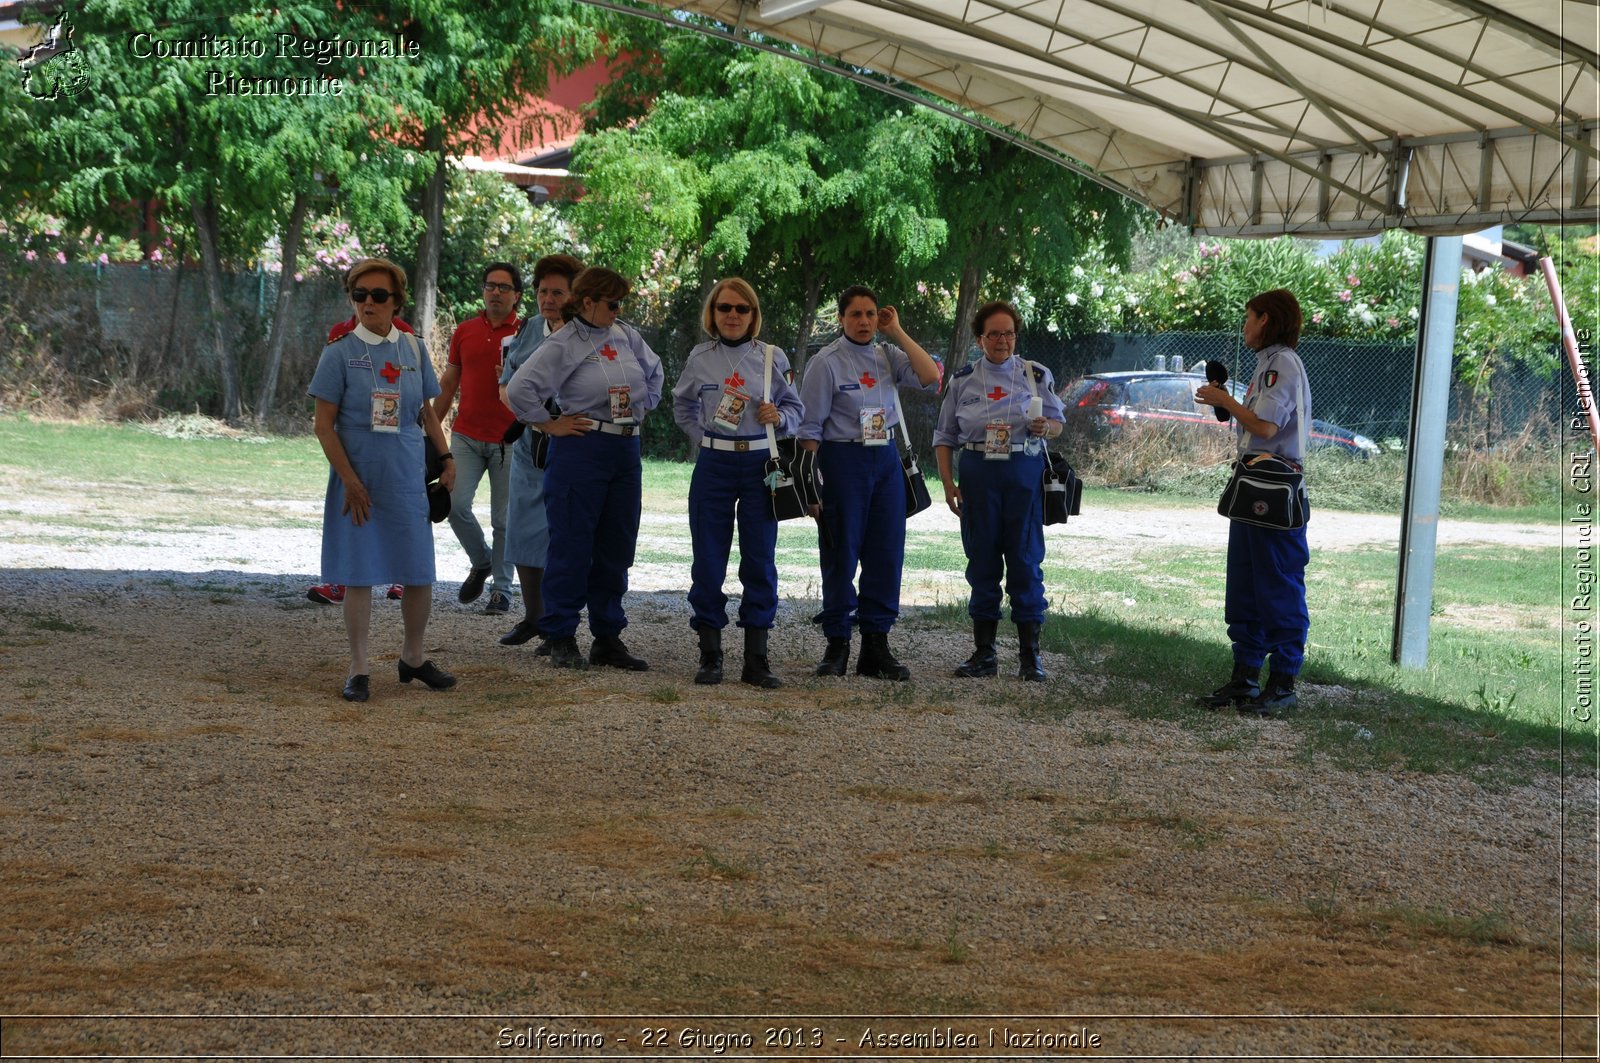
1077, 865
53, 622
1477, 928
1156, 636
665, 695
895, 794
708, 865
126, 454
955, 950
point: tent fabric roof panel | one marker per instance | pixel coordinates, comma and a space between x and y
1255, 116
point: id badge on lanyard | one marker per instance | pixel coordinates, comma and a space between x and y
730, 411
997, 441
621, 404
874, 426
385, 410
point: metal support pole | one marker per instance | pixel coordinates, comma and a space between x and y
1430, 406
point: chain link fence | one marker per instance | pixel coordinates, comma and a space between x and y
150, 326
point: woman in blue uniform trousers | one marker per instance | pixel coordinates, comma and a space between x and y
527, 529
852, 415
605, 379
371, 385
718, 403
997, 414
1265, 603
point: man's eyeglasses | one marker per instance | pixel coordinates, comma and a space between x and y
733, 308
503, 289
378, 295
996, 337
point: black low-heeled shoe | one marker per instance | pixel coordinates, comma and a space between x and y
523, 632
429, 673
357, 688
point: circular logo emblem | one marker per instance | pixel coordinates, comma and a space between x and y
1259, 509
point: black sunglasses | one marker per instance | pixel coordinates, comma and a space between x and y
614, 305
379, 295
733, 308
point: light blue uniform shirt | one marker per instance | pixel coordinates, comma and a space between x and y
984, 393
1277, 392
534, 331
715, 367
843, 377
579, 366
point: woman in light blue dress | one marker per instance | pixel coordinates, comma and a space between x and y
528, 529
372, 387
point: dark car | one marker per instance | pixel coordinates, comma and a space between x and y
1100, 406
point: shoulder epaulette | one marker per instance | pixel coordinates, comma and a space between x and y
964, 370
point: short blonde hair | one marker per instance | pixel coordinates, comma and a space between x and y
745, 292
397, 276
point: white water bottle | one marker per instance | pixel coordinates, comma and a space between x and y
1035, 408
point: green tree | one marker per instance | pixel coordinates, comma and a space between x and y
755, 164
1019, 222
156, 121
476, 65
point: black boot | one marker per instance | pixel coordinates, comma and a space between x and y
564, 653
836, 658
1245, 684
710, 672
982, 663
1029, 669
756, 670
608, 651
1278, 696
876, 659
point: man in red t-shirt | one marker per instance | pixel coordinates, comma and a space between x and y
478, 434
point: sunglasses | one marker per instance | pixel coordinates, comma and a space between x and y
733, 308
614, 305
379, 295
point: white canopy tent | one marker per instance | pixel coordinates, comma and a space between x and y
1256, 117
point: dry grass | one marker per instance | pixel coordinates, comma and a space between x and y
578, 848
1145, 455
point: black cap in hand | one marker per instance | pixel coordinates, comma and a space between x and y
1217, 374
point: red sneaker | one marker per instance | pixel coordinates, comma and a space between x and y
395, 592
326, 593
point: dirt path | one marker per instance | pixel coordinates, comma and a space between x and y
193, 823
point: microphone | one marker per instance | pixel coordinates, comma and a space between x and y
1217, 375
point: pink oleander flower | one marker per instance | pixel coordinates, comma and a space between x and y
1392, 322
1352, 280
61, 257
1344, 296
155, 256
30, 255
1316, 319
105, 259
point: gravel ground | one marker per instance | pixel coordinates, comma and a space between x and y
193, 824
